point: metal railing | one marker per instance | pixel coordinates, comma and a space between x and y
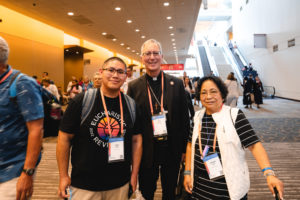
269, 92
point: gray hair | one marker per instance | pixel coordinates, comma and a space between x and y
151, 41
4, 51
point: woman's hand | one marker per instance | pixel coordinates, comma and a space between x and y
273, 181
188, 183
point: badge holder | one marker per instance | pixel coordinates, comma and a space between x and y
159, 125
213, 166
116, 149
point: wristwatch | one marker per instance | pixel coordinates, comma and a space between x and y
29, 171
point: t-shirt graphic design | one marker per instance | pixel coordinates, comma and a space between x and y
99, 130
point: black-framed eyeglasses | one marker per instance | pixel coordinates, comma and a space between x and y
154, 53
112, 71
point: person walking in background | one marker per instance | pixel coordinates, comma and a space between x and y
102, 126
97, 80
258, 90
248, 91
188, 86
86, 84
233, 90
74, 89
50, 87
21, 130
165, 123
130, 78
216, 166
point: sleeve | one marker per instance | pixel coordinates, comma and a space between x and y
185, 115
137, 127
245, 130
71, 120
29, 99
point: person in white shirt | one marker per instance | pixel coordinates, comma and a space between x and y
130, 77
75, 89
50, 87
233, 90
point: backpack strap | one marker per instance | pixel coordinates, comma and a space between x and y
131, 107
12, 85
88, 103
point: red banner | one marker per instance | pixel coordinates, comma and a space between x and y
172, 66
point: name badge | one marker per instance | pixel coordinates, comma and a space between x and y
159, 125
213, 166
116, 149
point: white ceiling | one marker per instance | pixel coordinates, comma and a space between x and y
92, 17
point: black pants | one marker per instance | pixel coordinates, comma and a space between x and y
167, 166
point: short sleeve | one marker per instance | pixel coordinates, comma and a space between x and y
71, 120
245, 131
29, 99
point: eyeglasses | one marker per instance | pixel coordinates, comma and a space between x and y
112, 71
211, 93
154, 53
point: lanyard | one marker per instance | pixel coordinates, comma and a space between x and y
200, 145
6, 76
162, 95
106, 113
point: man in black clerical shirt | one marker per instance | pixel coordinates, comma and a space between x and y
165, 123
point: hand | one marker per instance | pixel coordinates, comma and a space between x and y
273, 181
63, 184
133, 182
24, 187
187, 182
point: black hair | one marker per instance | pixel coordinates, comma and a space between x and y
219, 83
131, 66
114, 58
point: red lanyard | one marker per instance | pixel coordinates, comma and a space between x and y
106, 113
6, 76
162, 95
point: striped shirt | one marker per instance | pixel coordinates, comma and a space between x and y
204, 188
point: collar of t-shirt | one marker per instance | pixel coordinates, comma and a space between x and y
8, 68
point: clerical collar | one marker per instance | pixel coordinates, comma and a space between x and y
150, 78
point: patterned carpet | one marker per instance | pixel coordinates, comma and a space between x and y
277, 129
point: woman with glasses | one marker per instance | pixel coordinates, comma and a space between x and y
216, 167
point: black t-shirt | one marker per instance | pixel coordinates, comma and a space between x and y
89, 157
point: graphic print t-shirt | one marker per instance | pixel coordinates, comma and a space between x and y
89, 157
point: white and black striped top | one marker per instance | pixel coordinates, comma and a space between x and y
204, 188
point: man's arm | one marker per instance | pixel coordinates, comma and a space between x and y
63, 156
137, 150
34, 144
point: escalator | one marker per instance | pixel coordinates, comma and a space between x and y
204, 61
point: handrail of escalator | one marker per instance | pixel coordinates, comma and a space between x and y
269, 91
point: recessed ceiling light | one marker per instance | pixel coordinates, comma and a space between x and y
129, 21
170, 27
173, 40
117, 8
137, 53
104, 33
133, 51
137, 30
70, 13
77, 52
174, 44
67, 50
143, 36
128, 48
114, 39
172, 34
169, 17
122, 44
174, 47
166, 3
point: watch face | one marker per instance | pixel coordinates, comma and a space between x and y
29, 172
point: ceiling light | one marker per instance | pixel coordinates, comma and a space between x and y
70, 13
104, 33
166, 4
174, 44
77, 52
129, 21
137, 30
137, 53
172, 34
174, 47
170, 27
114, 39
122, 44
169, 17
173, 40
133, 51
117, 8
128, 48
143, 36
67, 50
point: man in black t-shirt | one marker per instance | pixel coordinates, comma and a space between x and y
104, 143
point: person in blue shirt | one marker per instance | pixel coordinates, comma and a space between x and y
21, 131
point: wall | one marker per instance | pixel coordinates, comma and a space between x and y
277, 19
34, 46
73, 66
